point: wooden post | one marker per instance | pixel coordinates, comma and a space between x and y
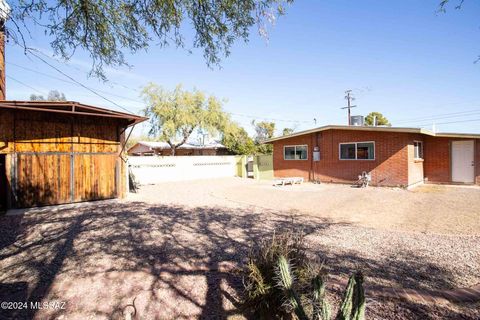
4, 13
2, 61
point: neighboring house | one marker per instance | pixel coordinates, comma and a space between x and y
147, 148
60, 152
394, 156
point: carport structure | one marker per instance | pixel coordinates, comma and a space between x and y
60, 152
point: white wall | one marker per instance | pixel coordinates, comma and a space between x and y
155, 169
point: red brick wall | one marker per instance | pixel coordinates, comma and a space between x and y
437, 159
390, 167
292, 168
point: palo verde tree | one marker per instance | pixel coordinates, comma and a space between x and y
237, 140
263, 130
376, 119
174, 115
106, 29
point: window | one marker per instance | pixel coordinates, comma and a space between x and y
365, 150
347, 151
357, 151
295, 152
289, 153
418, 149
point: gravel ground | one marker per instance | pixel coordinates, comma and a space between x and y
428, 209
167, 249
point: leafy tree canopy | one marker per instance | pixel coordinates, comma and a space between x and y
287, 131
264, 130
53, 95
174, 115
106, 28
380, 119
237, 140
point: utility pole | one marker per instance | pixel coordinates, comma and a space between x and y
349, 98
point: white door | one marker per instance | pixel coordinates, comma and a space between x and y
463, 164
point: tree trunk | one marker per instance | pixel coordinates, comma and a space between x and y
173, 150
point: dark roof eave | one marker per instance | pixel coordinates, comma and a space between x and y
378, 129
49, 106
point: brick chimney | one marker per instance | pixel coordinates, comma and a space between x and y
4, 12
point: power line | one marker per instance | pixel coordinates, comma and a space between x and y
71, 82
24, 84
79, 83
123, 97
442, 116
32, 52
72, 66
267, 118
449, 122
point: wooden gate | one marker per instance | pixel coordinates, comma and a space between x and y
94, 176
3, 183
56, 178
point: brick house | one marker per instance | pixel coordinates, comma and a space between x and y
394, 156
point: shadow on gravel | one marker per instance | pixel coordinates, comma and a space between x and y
161, 241
152, 249
404, 270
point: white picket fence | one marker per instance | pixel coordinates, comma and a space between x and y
156, 169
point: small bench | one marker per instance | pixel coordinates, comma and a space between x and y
289, 180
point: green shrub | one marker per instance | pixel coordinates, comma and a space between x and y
281, 282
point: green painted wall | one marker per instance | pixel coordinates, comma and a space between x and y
263, 167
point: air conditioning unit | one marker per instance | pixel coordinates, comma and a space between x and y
356, 120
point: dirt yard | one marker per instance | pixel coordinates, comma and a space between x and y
431, 209
169, 249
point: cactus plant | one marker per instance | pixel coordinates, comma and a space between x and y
285, 281
321, 308
352, 307
346, 307
281, 281
360, 303
353, 304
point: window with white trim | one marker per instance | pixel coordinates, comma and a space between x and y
418, 149
296, 152
357, 151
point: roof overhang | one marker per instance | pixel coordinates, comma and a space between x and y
71, 108
378, 129
457, 135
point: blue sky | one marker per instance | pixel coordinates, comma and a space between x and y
401, 58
